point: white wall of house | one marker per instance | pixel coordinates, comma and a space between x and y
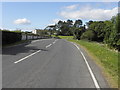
34, 31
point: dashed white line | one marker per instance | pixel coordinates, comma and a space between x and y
27, 56
54, 42
48, 45
89, 68
34, 52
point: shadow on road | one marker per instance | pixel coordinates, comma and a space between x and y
24, 48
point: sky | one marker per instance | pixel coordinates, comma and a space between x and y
33, 15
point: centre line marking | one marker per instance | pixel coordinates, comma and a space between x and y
27, 56
53, 42
48, 45
89, 68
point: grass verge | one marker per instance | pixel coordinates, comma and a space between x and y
105, 58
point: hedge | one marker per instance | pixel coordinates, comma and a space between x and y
10, 37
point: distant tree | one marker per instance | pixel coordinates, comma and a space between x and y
88, 35
98, 28
78, 23
64, 27
70, 23
89, 23
78, 29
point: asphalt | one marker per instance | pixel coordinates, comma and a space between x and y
48, 63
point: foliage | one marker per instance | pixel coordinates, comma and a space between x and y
98, 28
100, 31
107, 31
42, 32
10, 37
88, 35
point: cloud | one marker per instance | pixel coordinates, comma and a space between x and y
55, 20
89, 13
22, 21
71, 7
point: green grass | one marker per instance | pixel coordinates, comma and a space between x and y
107, 59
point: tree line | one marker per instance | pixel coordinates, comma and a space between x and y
101, 31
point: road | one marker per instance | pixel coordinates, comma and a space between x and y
49, 63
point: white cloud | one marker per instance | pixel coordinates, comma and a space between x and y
22, 21
55, 20
89, 13
71, 7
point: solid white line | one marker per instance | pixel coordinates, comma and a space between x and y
77, 47
27, 56
48, 45
90, 70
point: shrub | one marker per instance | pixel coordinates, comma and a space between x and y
10, 37
88, 35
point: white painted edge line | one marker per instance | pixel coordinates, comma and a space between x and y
27, 56
48, 45
89, 68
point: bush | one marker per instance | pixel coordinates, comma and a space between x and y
88, 35
10, 37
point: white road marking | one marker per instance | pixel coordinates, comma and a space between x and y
54, 42
36, 41
89, 68
27, 56
77, 47
48, 45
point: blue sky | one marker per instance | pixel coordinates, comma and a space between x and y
31, 15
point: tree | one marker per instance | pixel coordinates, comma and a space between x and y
64, 27
51, 28
78, 23
88, 35
89, 23
70, 23
98, 28
78, 29
114, 38
108, 28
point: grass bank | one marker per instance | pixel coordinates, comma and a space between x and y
106, 59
